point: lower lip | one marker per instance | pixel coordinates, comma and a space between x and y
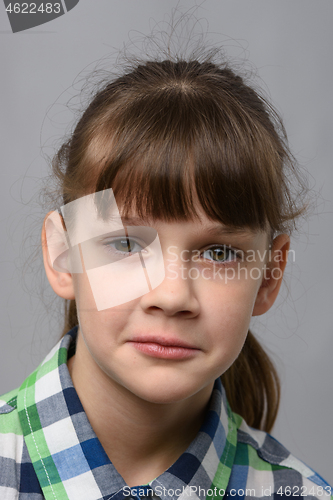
164, 352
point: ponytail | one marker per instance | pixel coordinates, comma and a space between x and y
252, 386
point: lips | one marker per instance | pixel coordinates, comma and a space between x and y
167, 342
161, 347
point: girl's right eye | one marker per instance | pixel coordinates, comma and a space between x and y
123, 246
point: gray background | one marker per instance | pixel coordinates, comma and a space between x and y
290, 42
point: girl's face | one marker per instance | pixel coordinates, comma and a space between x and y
175, 340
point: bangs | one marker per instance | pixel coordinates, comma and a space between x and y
168, 161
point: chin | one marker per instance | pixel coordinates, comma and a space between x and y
167, 392
164, 398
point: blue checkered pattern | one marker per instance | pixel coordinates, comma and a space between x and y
48, 450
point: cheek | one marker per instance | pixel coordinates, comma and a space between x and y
90, 319
228, 316
229, 307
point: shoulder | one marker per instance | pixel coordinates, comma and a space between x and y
11, 445
269, 469
9, 420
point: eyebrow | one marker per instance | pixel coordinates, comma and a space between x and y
218, 228
229, 230
135, 221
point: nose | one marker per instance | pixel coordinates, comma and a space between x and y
175, 296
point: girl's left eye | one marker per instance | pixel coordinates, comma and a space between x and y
220, 254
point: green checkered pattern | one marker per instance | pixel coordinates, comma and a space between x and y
48, 450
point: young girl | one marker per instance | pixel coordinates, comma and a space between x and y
174, 229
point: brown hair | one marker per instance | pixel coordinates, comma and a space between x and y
169, 132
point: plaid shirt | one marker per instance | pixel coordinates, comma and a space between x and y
48, 450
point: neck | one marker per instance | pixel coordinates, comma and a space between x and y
141, 438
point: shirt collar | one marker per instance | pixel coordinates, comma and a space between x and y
71, 463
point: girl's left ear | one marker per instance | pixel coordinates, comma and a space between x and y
273, 275
53, 248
